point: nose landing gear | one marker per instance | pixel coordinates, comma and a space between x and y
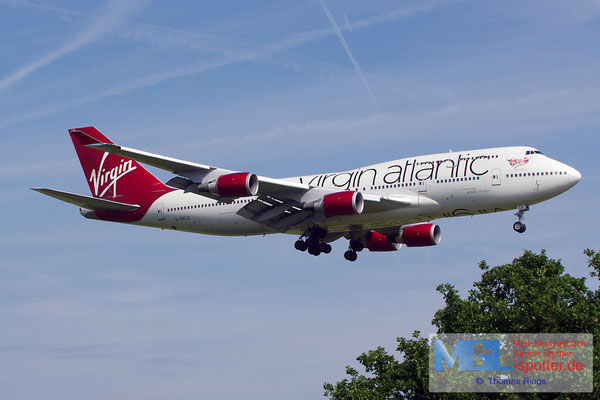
520, 226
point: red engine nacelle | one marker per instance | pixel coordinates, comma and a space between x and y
379, 242
238, 184
420, 235
340, 203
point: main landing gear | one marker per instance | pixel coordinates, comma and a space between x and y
354, 247
519, 226
313, 242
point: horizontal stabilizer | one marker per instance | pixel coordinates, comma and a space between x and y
91, 203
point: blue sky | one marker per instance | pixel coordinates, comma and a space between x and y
98, 310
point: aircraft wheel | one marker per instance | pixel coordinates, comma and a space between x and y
519, 227
350, 255
314, 250
319, 232
312, 241
325, 248
300, 245
357, 245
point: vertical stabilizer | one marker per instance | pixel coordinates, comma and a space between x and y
114, 177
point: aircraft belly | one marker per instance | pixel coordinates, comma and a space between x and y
489, 199
223, 224
199, 220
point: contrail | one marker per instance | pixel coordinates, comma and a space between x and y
359, 71
286, 43
115, 13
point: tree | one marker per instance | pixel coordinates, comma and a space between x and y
530, 295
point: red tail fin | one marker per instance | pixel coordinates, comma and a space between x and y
112, 176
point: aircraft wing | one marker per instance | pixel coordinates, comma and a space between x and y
193, 171
170, 164
280, 202
91, 203
282, 214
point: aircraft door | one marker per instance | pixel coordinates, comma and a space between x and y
496, 177
422, 185
160, 212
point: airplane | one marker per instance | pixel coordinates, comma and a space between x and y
378, 207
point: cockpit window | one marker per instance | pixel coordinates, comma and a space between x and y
529, 152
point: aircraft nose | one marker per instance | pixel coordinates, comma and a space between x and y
574, 175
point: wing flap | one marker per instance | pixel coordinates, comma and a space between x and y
278, 214
91, 203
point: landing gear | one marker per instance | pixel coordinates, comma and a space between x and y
519, 226
314, 250
313, 242
325, 248
350, 255
300, 245
354, 246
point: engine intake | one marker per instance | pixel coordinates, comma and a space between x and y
238, 184
340, 203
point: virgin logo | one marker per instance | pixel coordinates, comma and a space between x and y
103, 179
517, 162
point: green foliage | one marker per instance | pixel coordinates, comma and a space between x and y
530, 295
389, 378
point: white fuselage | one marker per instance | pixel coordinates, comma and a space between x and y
439, 186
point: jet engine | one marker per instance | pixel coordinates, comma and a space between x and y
238, 184
418, 235
411, 235
340, 203
378, 242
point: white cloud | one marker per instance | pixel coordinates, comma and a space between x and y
113, 14
233, 55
